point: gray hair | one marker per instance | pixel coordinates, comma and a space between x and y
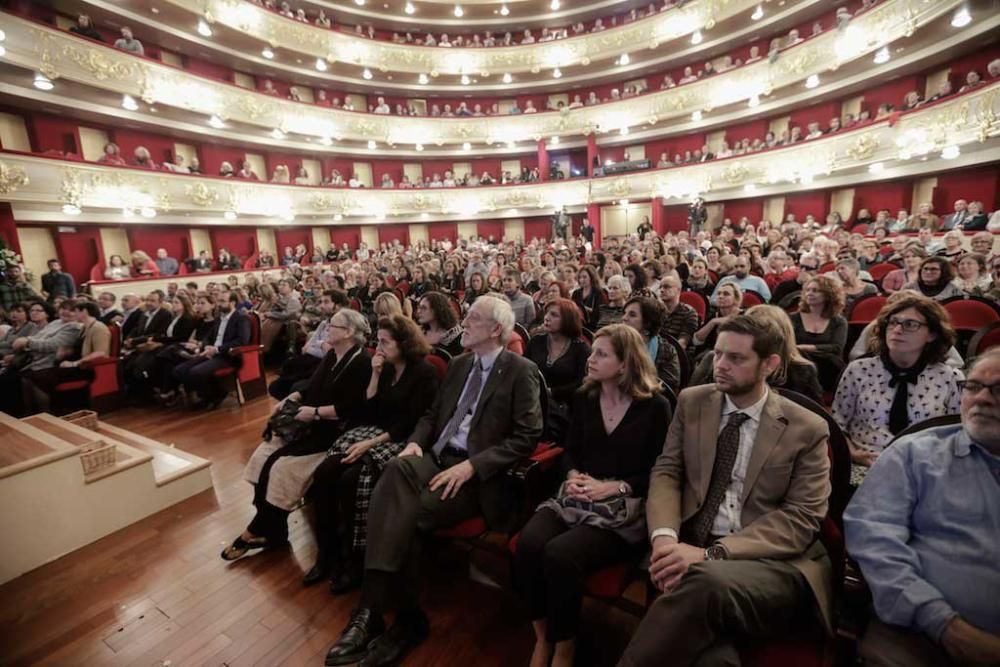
621, 282
499, 311
851, 263
992, 354
357, 323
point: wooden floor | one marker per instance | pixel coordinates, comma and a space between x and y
157, 593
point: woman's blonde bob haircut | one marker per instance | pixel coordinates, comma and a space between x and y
638, 379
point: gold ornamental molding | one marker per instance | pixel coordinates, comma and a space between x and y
966, 124
61, 55
335, 46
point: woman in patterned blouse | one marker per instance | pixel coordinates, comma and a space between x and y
906, 381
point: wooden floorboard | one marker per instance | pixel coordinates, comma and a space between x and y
157, 591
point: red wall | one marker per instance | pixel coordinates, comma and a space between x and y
349, 234
390, 233
753, 209
977, 184
892, 195
537, 229
175, 240
79, 251
239, 241
50, 133
292, 236
675, 218
488, 228
160, 147
819, 113
440, 231
802, 203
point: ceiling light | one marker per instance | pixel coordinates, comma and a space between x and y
623, 131
459, 12
507, 78
697, 38
3, 35
419, 147
624, 59
321, 64
555, 4
155, 10
750, 188
288, 216
277, 134
556, 73
267, 53
371, 144
758, 13
337, 217
3, 51
71, 209
465, 79
422, 79
42, 82
961, 18
754, 101
696, 115
503, 10
882, 55
876, 168
229, 215
326, 141
623, 202
367, 74
409, 9
216, 122
466, 146
424, 215
129, 103
148, 212
812, 81
554, 141
203, 29
951, 152
359, 3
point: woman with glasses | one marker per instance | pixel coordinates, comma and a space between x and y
935, 279
905, 382
972, 274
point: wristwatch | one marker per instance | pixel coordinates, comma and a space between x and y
623, 489
716, 552
316, 413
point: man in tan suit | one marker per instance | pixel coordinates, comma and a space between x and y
734, 511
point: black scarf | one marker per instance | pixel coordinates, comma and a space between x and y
899, 417
931, 290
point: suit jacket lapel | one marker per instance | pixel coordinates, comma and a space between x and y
772, 426
494, 379
454, 392
710, 414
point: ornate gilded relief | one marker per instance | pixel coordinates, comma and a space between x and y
11, 178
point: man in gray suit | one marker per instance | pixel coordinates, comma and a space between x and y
486, 417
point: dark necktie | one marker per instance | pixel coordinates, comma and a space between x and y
465, 404
700, 525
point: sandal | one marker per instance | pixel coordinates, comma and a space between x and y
240, 547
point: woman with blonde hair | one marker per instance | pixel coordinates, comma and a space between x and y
728, 302
612, 312
597, 518
143, 266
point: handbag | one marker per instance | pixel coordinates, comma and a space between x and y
285, 426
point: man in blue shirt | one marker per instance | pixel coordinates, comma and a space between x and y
741, 276
925, 528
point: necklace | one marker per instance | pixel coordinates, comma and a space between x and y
549, 359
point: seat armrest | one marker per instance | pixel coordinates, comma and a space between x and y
101, 361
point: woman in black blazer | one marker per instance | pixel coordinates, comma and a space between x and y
141, 365
186, 338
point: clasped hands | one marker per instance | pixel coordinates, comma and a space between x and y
451, 478
582, 486
670, 560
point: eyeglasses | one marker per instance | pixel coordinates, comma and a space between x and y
807, 268
974, 387
905, 325
931, 269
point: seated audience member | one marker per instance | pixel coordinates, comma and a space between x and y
645, 315
874, 399
679, 319
129, 43
734, 548
140, 366
231, 329
742, 278
851, 285
922, 527
228, 261
619, 290
589, 296
112, 155
698, 279
19, 325
95, 344
200, 264
977, 220
117, 269
285, 309
982, 242
924, 218
333, 400
14, 288
972, 275
166, 264
795, 372
561, 356
821, 330
164, 386
451, 469
151, 320
132, 312
620, 420
142, 158
952, 249
85, 28
439, 323
913, 257
477, 288
728, 304
522, 304
299, 368
402, 388
42, 350
143, 266
935, 279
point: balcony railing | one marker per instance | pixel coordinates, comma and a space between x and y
966, 126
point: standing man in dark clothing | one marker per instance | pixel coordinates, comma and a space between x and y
57, 283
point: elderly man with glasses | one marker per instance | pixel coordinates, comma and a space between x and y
746, 282
923, 527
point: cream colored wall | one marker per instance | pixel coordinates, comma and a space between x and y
420, 106
37, 248
64, 22
305, 93
466, 230
934, 81
414, 171
713, 215
92, 141
360, 102
554, 100
774, 209
842, 201
513, 166
171, 58
202, 240
621, 220
265, 240
852, 106
187, 151
364, 172
714, 140
369, 235
258, 165
505, 105
460, 169
244, 80
315, 169
513, 230
638, 83
419, 232
13, 133
321, 238
779, 125
115, 242
637, 152
923, 193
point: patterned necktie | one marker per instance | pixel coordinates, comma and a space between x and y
465, 404
700, 525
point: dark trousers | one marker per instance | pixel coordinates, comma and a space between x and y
716, 605
38, 386
403, 506
166, 359
11, 396
270, 521
333, 493
139, 371
551, 566
197, 373
890, 646
296, 369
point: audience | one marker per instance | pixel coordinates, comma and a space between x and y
821, 330
935, 279
644, 313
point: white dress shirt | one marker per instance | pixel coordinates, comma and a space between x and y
461, 438
223, 323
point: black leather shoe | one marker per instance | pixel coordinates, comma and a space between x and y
352, 645
317, 574
346, 579
406, 633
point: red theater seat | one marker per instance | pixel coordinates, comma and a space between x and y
102, 390
696, 301
248, 376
